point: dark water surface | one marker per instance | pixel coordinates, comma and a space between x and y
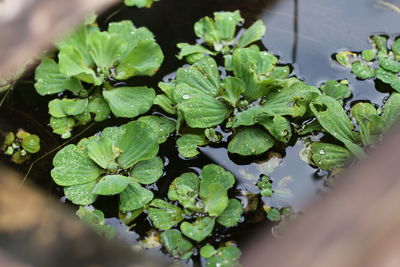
304, 33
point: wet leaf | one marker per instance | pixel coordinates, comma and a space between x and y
233, 89
370, 123
391, 110
62, 126
250, 141
232, 214
134, 197
112, 185
81, 194
328, 156
31, 143
335, 121
199, 229
380, 42
192, 53
214, 174
252, 34
388, 77
387, 63
104, 152
335, 89
162, 126
95, 219
73, 167
99, 107
368, 55
225, 257
59, 108
137, 144
184, 189
129, 102
207, 251
188, 144
216, 200
176, 245
362, 70
148, 171
164, 215
49, 79
278, 126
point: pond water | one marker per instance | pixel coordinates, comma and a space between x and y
302, 33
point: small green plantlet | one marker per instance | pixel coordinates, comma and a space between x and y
98, 59
276, 194
117, 162
20, 146
140, 3
225, 256
218, 35
176, 244
95, 219
207, 195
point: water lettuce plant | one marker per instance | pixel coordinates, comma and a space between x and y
94, 218
381, 62
218, 35
205, 199
362, 129
89, 63
20, 146
119, 161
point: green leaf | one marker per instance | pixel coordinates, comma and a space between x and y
104, 152
388, 77
144, 60
162, 126
250, 141
207, 251
176, 245
78, 41
129, 102
60, 108
81, 194
148, 171
328, 156
31, 143
164, 215
205, 28
335, 121
185, 189
396, 48
225, 24
49, 79
114, 133
140, 3
274, 215
99, 107
95, 219
225, 257
343, 58
165, 103
362, 71
370, 123
216, 200
388, 63
188, 144
252, 34
278, 126
199, 229
73, 167
233, 89
251, 65
203, 76
192, 53
213, 174
112, 185
72, 64
134, 197
391, 110
335, 89
104, 49
292, 101
62, 126
199, 109
380, 42
137, 144
232, 214
368, 55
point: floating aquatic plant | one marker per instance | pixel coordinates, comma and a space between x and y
20, 146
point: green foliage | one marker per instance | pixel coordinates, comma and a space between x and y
226, 256
20, 146
176, 244
98, 58
207, 194
115, 163
218, 35
95, 220
140, 3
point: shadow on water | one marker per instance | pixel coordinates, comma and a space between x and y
303, 33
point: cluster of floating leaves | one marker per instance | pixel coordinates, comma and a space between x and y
20, 146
